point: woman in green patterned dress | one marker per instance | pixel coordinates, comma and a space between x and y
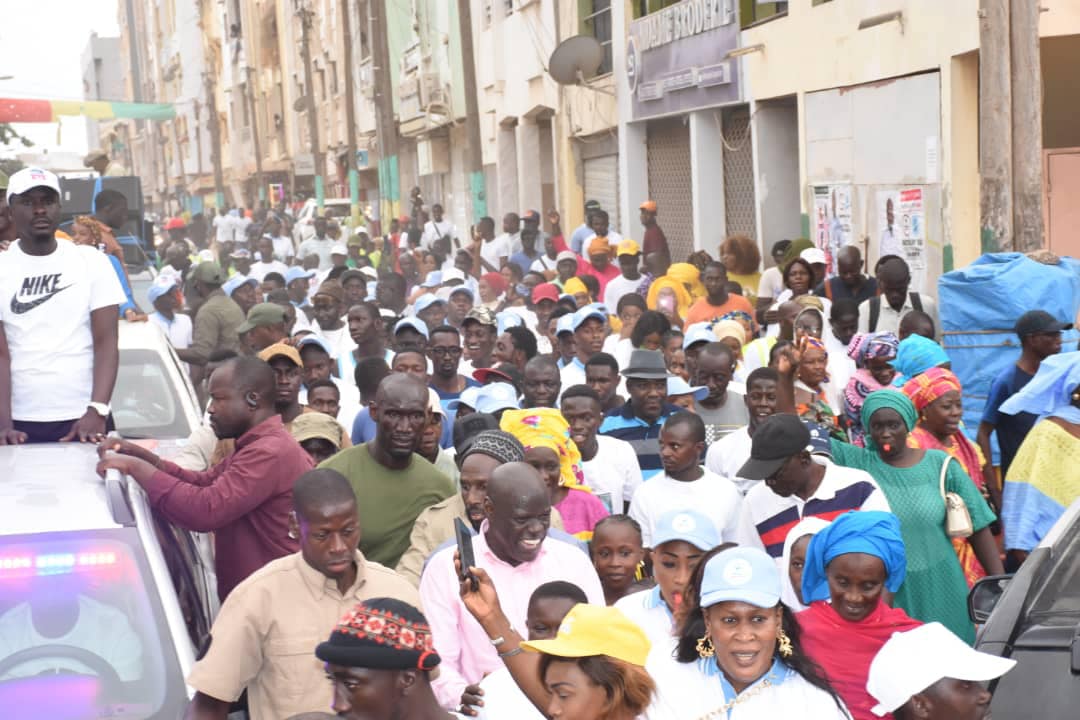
934, 589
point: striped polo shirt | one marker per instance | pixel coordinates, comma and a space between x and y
643, 436
766, 518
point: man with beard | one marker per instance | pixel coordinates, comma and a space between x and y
58, 332
244, 499
328, 306
291, 599
393, 485
722, 410
513, 548
444, 351
541, 383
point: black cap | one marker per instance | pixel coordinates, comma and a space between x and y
775, 440
1034, 322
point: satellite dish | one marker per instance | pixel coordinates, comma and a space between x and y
576, 60
300, 104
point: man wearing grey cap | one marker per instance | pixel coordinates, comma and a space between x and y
217, 318
58, 324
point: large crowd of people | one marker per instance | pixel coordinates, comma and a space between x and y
546, 474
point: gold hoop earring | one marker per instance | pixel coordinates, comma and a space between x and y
783, 643
705, 647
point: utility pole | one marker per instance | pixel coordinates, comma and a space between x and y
1027, 140
306, 14
260, 191
215, 140
350, 115
995, 131
474, 156
385, 125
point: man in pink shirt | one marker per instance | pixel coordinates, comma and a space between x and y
514, 549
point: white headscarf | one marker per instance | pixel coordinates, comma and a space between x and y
807, 526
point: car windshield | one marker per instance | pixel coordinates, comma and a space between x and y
82, 632
1060, 594
145, 403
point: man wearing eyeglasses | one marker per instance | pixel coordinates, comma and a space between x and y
444, 350
798, 483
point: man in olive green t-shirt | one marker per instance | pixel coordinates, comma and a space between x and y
393, 485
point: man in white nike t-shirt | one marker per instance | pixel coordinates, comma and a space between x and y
58, 324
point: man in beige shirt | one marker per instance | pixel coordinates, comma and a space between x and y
435, 525
264, 637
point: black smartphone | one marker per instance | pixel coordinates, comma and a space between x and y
465, 552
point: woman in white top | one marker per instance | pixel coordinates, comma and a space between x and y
739, 656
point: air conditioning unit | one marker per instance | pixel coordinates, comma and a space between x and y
432, 91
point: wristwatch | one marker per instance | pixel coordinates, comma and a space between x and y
101, 409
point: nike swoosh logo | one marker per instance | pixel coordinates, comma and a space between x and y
20, 307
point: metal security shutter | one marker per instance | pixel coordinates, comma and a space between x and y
739, 196
602, 185
670, 184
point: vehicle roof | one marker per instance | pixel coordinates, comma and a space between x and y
51, 488
141, 335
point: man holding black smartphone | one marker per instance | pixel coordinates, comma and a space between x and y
514, 549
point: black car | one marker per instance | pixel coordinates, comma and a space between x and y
1033, 617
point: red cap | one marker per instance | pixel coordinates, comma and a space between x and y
404, 219
545, 291
175, 223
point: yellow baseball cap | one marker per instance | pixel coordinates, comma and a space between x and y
628, 247
589, 630
281, 350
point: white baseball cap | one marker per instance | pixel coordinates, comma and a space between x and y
813, 255
30, 178
914, 660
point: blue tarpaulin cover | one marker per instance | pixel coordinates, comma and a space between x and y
979, 305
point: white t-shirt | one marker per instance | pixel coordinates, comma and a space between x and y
340, 341
513, 242
616, 288
614, 471
504, 699
613, 239
492, 250
771, 284
315, 246
259, 270
542, 263
727, 455
648, 611
223, 227
178, 331
283, 247
47, 324
711, 494
435, 230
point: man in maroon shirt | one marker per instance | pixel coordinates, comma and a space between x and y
654, 240
245, 499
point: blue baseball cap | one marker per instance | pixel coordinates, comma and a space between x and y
433, 279
425, 301
297, 273
686, 525
677, 386
469, 397
161, 286
411, 322
507, 319
464, 289
586, 313
233, 284
564, 324
495, 397
314, 340
741, 574
698, 332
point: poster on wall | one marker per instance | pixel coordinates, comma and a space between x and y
832, 221
901, 217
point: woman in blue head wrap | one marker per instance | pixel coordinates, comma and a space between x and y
935, 588
917, 354
849, 566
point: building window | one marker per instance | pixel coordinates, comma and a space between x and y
509, 6
596, 21
754, 11
642, 8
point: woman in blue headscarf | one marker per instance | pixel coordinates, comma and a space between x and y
935, 588
850, 564
917, 354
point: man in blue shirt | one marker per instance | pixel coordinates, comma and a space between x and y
577, 238
639, 421
1040, 337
